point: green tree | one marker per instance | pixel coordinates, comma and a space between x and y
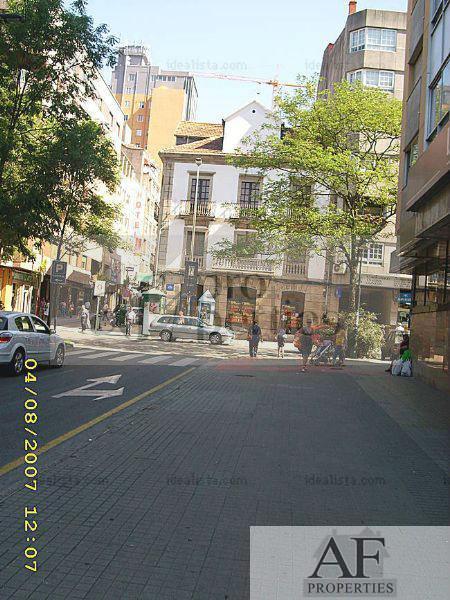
75, 169
48, 62
331, 178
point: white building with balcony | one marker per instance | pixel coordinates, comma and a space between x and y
273, 291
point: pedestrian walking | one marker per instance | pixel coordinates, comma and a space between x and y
130, 317
305, 343
281, 341
340, 343
71, 310
254, 338
85, 319
46, 309
105, 312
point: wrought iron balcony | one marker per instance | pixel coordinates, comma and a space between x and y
244, 210
204, 209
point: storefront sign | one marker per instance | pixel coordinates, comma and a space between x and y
59, 271
170, 287
22, 277
383, 281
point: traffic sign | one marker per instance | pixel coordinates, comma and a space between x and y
99, 288
59, 272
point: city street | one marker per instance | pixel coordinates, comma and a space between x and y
155, 501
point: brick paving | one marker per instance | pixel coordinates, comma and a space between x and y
157, 503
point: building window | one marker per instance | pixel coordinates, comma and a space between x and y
440, 99
249, 194
373, 78
84, 262
127, 104
140, 118
199, 243
412, 154
129, 90
125, 117
132, 77
373, 254
204, 186
141, 104
373, 38
139, 132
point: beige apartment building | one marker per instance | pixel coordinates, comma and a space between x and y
153, 100
371, 49
423, 220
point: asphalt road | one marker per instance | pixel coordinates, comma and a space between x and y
59, 415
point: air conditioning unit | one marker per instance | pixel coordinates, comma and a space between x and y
339, 268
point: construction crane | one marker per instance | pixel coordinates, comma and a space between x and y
276, 85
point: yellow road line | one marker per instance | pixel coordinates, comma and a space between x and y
70, 434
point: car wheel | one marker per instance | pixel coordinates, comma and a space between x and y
58, 361
17, 365
166, 336
215, 339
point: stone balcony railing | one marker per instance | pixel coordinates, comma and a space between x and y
295, 268
201, 260
247, 265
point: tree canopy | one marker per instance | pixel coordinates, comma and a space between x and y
48, 62
332, 176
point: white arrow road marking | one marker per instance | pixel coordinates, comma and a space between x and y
86, 391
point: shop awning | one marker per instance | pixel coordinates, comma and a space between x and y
145, 278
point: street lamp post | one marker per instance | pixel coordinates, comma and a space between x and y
198, 162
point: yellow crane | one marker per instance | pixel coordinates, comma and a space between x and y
276, 85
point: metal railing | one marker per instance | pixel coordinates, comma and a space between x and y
244, 210
204, 209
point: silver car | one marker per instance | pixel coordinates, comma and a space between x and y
170, 327
24, 336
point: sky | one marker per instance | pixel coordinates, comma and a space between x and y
250, 38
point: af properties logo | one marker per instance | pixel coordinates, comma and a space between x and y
350, 565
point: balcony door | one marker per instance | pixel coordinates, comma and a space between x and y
199, 246
204, 194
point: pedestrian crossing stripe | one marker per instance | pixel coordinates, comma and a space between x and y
152, 360
184, 362
97, 355
126, 357
78, 352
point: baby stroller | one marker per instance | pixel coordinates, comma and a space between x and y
323, 354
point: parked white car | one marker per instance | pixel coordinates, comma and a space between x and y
24, 336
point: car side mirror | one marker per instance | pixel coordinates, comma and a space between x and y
52, 331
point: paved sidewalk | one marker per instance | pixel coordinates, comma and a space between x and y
156, 503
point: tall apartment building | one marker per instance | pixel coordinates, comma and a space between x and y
423, 220
154, 100
272, 290
371, 49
